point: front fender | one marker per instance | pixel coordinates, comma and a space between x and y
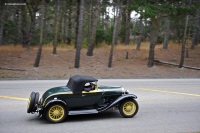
121, 98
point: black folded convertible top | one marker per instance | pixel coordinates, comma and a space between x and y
77, 82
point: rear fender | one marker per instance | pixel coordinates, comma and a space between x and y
53, 101
117, 101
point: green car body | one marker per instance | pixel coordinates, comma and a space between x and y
74, 99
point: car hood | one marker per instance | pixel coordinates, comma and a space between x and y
54, 91
111, 88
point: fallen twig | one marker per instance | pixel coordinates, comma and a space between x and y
12, 69
169, 63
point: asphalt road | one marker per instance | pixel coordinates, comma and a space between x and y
166, 105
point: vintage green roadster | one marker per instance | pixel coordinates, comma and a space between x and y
81, 95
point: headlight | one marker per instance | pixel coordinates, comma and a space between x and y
126, 92
123, 89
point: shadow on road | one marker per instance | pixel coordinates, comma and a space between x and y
81, 118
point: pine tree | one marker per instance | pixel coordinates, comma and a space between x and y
93, 29
79, 34
38, 56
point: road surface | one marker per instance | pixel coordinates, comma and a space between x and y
165, 105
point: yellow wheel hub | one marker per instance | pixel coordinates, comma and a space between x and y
129, 108
56, 112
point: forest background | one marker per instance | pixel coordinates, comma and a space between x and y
42, 39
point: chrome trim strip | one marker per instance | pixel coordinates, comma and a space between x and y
80, 112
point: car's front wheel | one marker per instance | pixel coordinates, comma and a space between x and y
56, 113
128, 108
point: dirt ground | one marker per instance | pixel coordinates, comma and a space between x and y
20, 62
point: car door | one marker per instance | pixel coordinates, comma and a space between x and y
72, 100
91, 98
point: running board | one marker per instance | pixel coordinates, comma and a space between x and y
80, 112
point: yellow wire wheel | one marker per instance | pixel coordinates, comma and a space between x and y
56, 113
128, 108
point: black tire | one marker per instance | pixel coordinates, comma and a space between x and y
128, 108
31, 102
37, 95
56, 113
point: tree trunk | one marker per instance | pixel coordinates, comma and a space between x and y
77, 20
24, 26
79, 35
153, 38
103, 15
140, 35
1, 32
134, 32
56, 19
183, 43
37, 59
65, 8
60, 19
17, 19
167, 32
195, 36
118, 25
127, 33
32, 8
46, 29
90, 17
2, 19
64, 28
123, 26
69, 36
93, 31
31, 30
114, 38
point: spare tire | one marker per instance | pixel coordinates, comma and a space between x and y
31, 102
35, 102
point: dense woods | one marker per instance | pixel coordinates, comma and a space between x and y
90, 23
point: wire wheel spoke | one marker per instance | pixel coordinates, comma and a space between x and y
56, 112
129, 108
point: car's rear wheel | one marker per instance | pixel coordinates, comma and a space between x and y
56, 113
32, 102
128, 108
